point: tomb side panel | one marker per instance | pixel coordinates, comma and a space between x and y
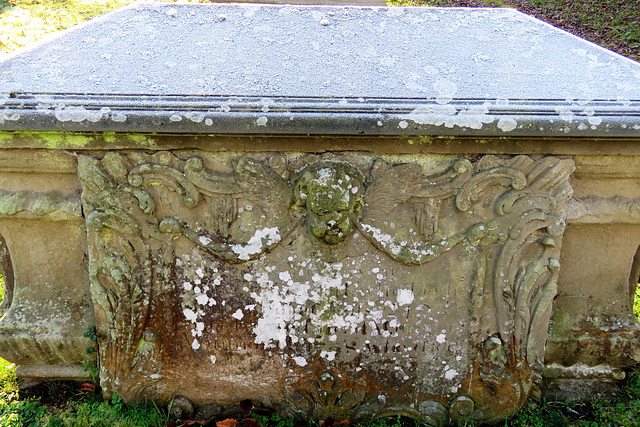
425, 275
48, 306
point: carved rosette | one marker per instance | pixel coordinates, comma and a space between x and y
259, 248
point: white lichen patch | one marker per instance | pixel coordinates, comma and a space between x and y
413, 249
594, 121
446, 90
118, 117
360, 308
190, 315
300, 361
329, 355
337, 311
450, 374
325, 175
268, 236
77, 114
507, 124
289, 302
10, 117
195, 116
405, 297
383, 238
447, 115
565, 114
199, 284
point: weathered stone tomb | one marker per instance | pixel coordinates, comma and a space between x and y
334, 211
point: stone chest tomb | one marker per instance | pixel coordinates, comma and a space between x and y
334, 211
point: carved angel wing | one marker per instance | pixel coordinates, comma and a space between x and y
390, 186
265, 189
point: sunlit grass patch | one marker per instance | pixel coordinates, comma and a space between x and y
26, 21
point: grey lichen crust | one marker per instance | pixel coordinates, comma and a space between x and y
376, 70
332, 275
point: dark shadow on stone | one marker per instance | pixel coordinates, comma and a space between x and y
634, 276
6, 269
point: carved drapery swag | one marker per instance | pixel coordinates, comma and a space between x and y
334, 264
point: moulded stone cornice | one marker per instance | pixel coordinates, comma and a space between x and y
300, 115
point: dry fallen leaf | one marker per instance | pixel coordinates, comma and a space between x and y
330, 422
246, 406
229, 422
88, 387
250, 422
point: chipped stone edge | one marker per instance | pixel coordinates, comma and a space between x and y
303, 116
56, 372
580, 370
601, 210
33, 205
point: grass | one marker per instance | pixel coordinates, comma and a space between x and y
614, 24
26, 21
62, 404
66, 406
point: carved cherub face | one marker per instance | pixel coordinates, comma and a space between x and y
331, 193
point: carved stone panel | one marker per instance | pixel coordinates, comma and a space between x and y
336, 285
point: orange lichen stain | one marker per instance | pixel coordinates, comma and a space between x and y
498, 387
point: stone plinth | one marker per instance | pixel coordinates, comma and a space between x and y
334, 211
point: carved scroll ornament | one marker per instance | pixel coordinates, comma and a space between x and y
506, 215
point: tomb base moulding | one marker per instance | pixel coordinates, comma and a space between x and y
443, 244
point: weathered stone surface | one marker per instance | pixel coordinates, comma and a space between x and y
339, 281
593, 327
274, 280
436, 232
47, 306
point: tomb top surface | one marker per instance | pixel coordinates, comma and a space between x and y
250, 68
